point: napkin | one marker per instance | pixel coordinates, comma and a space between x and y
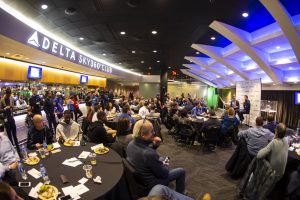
55, 151
97, 146
33, 192
97, 179
72, 162
56, 145
35, 173
76, 144
83, 180
33, 154
291, 148
70, 190
80, 189
84, 154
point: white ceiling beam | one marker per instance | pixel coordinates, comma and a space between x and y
283, 18
186, 72
242, 39
194, 67
208, 68
215, 53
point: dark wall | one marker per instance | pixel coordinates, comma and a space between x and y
287, 111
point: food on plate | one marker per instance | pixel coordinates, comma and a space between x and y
101, 150
47, 192
50, 147
69, 143
33, 160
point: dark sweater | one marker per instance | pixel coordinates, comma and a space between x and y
146, 162
97, 133
38, 136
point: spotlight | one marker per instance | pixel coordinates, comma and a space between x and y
212, 38
245, 14
44, 6
122, 32
154, 32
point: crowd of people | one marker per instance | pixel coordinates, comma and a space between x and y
135, 140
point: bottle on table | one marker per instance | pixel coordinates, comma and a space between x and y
44, 174
24, 152
45, 147
22, 170
42, 152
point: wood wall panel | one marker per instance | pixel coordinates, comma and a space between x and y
17, 71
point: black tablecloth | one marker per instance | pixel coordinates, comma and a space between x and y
109, 167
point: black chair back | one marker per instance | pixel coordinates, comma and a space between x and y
211, 133
136, 189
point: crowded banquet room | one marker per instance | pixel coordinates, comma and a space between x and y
150, 99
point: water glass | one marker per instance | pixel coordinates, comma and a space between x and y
88, 171
92, 157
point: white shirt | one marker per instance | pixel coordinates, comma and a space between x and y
143, 111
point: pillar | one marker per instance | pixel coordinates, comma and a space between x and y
163, 82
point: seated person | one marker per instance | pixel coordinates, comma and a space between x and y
97, 132
229, 121
8, 193
161, 192
8, 160
225, 113
256, 137
277, 151
143, 111
21, 103
124, 135
126, 112
213, 121
110, 108
39, 133
144, 158
183, 117
97, 109
197, 110
67, 129
152, 112
293, 187
246, 109
271, 124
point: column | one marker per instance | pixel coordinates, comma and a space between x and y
163, 82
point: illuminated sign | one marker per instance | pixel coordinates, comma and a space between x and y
48, 45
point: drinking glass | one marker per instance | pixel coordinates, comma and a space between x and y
92, 157
88, 171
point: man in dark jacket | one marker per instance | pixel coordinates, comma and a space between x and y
143, 157
38, 134
49, 105
35, 102
96, 131
213, 121
246, 109
271, 125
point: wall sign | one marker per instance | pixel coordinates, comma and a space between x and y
46, 44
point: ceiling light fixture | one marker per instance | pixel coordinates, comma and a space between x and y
154, 32
120, 63
277, 47
7, 53
150, 67
132, 51
245, 14
26, 58
81, 38
212, 38
142, 61
158, 61
44, 6
169, 67
154, 51
104, 54
122, 32
197, 52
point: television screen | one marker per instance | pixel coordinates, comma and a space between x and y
84, 79
297, 97
34, 72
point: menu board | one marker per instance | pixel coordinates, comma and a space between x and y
252, 88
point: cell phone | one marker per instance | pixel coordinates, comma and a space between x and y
68, 197
24, 184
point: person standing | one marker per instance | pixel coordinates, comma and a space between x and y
35, 102
49, 105
7, 107
77, 111
59, 104
246, 109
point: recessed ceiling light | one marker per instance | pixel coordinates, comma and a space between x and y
154, 51
142, 61
245, 14
132, 51
197, 52
7, 53
154, 32
122, 32
104, 54
158, 61
212, 38
150, 68
120, 63
277, 47
81, 38
44, 6
44, 62
26, 58
169, 67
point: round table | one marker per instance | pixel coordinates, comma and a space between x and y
109, 167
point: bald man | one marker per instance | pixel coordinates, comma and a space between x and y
39, 133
